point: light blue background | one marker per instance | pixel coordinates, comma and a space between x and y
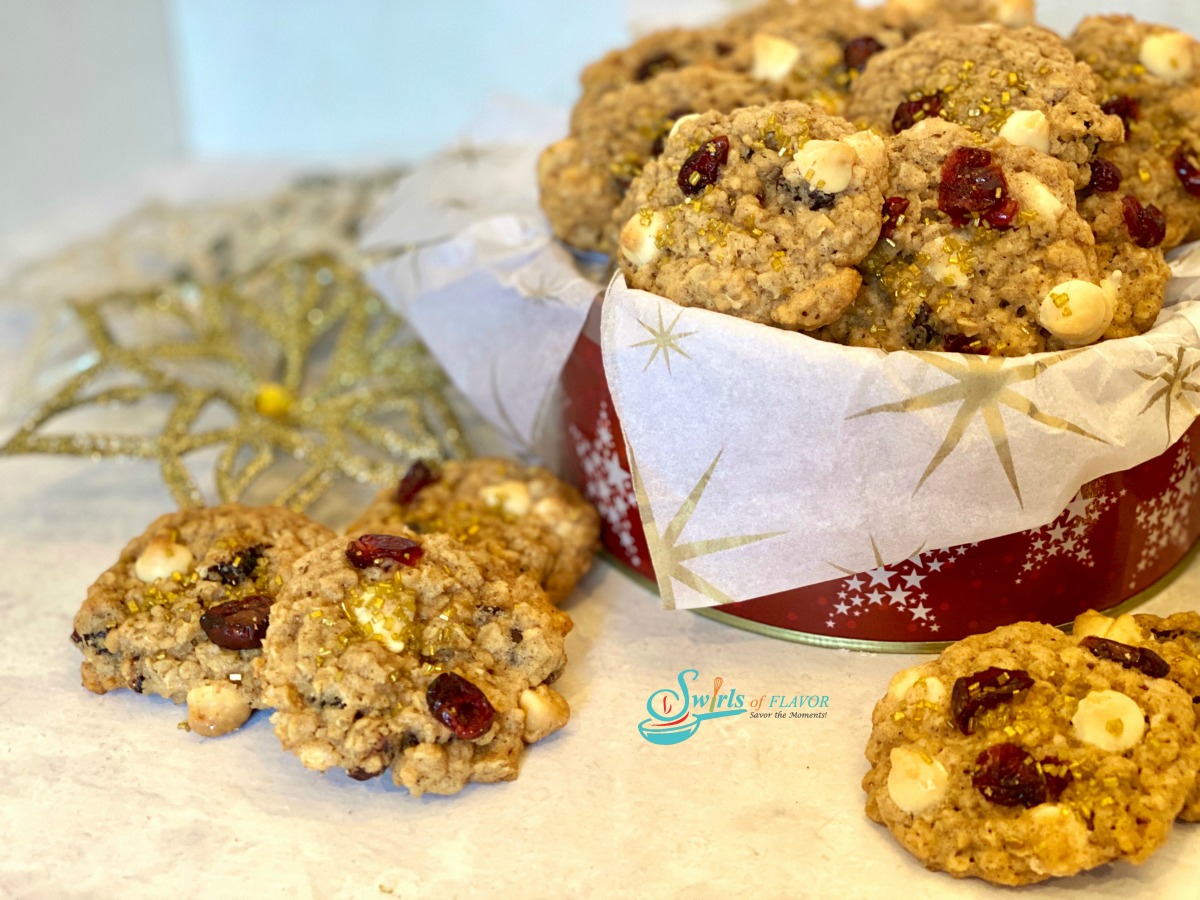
357, 78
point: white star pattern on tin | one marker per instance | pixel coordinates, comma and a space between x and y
895, 587
1069, 535
879, 576
606, 484
1162, 517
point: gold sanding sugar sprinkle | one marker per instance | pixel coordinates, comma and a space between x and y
1143, 175
1060, 298
315, 614
132, 606
184, 726
646, 217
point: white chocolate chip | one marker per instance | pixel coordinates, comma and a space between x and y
216, 708
386, 619
827, 166
317, 756
916, 781
1033, 195
1091, 624
680, 121
935, 689
1014, 13
1077, 312
947, 264
1123, 629
1126, 630
546, 711
870, 148
903, 681
1109, 720
1167, 55
1027, 128
510, 497
162, 558
639, 236
773, 57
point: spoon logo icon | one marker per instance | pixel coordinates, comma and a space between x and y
672, 719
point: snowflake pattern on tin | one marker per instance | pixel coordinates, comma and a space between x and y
897, 586
1069, 535
1164, 518
606, 483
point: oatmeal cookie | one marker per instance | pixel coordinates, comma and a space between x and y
1023, 85
1176, 639
183, 611
1120, 223
762, 213
395, 651
1150, 77
723, 45
813, 50
1019, 755
983, 251
510, 518
912, 16
582, 178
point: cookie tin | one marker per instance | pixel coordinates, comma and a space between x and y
1121, 538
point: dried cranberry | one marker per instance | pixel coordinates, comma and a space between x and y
910, 112
858, 51
653, 65
1172, 634
702, 168
974, 186
1140, 658
418, 477
1003, 214
238, 624
921, 332
1106, 178
665, 127
893, 209
1008, 776
75, 637
960, 343
238, 569
383, 550
1124, 106
985, 690
1057, 774
363, 774
1147, 225
459, 705
1187, 171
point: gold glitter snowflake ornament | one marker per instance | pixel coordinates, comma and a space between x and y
294, 375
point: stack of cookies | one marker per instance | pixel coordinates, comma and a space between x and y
425, 639
928, 176
1026, 753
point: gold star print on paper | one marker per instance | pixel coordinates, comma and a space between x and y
295, 374
982, 386
879, 564
670, 555
1176, 378
663, 339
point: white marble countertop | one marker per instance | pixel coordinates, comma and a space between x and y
104, 796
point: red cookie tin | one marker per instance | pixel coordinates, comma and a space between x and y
1120, 539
